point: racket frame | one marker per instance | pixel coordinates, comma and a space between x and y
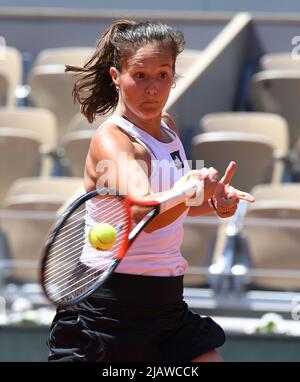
162, 204
54, 231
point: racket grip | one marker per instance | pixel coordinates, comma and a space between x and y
183, 193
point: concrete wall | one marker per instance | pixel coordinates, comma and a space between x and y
217, 79
28, 344
34, 31
204, 5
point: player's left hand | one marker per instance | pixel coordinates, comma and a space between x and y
227, 197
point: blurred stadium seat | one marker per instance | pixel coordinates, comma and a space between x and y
76, 56
253, 153
19, 155
61, 187
197, 248
279, 61
34, 202
10, 76
278, 91
39, 121
75, 147
51, 87
271, 126
274, 244
208, 249
79, 122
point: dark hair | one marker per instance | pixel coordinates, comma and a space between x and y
94, 88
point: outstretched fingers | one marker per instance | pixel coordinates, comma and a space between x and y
229, 172
240, 195
233, 193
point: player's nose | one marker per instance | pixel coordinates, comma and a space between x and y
151, 89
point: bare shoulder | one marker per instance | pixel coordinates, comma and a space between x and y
169, 121
106, 144
108, 140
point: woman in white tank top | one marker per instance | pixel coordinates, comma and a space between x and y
139, 314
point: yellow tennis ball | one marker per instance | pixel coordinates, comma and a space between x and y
103, 236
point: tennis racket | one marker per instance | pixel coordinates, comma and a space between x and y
71, 267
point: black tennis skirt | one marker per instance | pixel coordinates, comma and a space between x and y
135, 319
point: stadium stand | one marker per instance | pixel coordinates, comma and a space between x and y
32, 203
10, 75
75, 147
79, 122
19, 155
38, 121
274, 244
279, 61
277, 91
51, 87
197, 248
271, 126
253, 153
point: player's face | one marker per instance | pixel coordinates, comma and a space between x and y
145, 81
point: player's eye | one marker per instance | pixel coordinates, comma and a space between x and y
163, 75
139, 75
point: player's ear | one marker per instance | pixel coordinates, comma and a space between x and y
114, 73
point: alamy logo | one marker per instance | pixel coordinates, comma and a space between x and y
127, 175
177, 159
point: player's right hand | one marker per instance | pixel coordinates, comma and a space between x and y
209, 177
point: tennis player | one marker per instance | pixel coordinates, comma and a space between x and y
139, 313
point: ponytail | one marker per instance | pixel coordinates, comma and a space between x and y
94, 89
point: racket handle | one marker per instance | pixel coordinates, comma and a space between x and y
182, 193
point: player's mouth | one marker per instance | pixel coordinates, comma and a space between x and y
151, 102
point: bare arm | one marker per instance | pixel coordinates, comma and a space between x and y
114, 162
203, 209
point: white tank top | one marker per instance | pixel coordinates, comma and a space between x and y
157, 253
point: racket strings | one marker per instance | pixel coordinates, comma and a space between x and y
59, 270
75, 275
62, 252
66, 275
60, 273
66, 240
77, 217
